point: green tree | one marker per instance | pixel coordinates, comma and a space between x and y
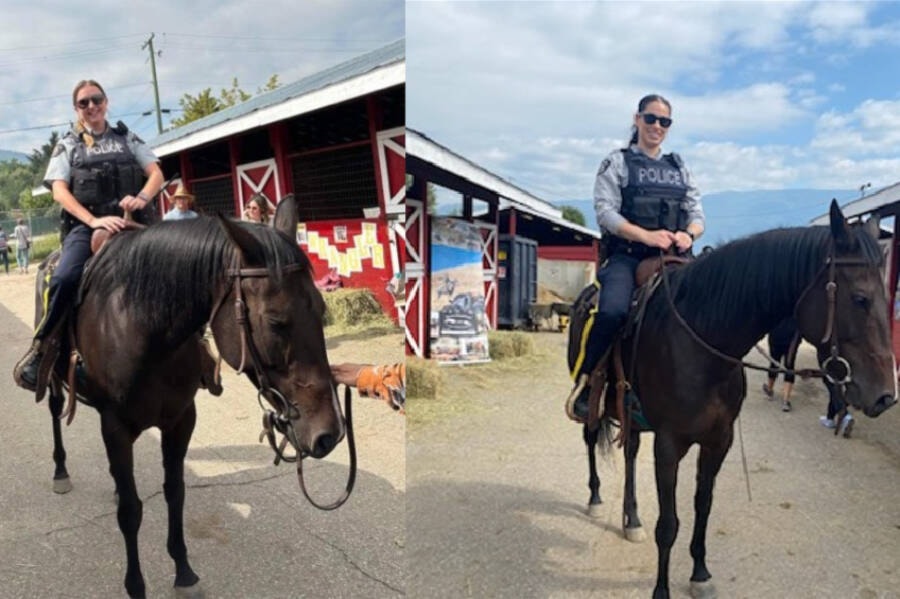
205, 103
40, 158
573, 215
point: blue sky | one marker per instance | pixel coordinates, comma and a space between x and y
766, 95
47, 47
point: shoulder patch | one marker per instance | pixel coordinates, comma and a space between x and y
134, 136
604, 166
59, 149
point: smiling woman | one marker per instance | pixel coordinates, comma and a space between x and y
646, 203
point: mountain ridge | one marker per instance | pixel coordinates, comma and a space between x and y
734, 214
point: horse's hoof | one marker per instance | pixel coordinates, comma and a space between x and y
195, 591
61, 486
594, 510
703, 590
635, 534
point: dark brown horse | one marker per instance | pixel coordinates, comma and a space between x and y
687, 377
145, 296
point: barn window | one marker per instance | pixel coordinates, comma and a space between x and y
214, 196
335, 184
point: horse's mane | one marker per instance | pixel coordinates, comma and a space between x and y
758, 274
163, 267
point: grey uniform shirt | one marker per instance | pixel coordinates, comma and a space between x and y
612, 176
60, 165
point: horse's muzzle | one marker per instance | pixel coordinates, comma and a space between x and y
881, 404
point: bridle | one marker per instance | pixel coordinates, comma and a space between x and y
835, 368
280, 419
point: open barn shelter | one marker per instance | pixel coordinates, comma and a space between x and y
885, 204
513, 224
334, 139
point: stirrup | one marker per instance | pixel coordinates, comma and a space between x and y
580, 384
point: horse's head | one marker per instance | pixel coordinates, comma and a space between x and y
281, 345
844, 313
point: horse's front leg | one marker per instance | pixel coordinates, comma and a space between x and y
590, 440
632, 527
174, 448
667, 453
61, 482
119, 444
708, 465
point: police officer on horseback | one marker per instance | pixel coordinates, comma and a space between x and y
646, 201
97, 173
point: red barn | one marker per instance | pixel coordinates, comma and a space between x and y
336, 141
500, 210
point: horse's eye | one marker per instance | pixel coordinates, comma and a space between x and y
860, 301
279, 324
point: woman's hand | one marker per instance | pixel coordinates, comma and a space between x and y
113, 224
132, 203
683, 241
660, 238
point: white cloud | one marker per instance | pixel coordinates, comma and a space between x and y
764, 93
203, 44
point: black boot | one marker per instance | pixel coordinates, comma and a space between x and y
26, 371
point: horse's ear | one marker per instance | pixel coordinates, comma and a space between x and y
250, 248
839, 228
287, 214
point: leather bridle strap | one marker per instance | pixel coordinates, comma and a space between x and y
279, 420
831, 293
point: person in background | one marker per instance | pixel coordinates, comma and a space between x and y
183, 203
784, 340
257, 209
23, 245
646, 202
97, 173
4, 249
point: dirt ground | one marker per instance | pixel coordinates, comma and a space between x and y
497, 489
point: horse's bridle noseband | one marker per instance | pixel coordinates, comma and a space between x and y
280, 419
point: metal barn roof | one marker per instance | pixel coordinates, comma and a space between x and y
377, 70
870, 203
421, 146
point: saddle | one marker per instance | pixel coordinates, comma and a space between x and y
582, 313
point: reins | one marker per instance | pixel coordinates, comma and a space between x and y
830, 336
281, 418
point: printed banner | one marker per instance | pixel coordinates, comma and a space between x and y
458, 320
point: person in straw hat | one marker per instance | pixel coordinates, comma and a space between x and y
183, 202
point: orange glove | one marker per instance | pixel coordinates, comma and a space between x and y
387, 383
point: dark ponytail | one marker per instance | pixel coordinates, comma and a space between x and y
641, 106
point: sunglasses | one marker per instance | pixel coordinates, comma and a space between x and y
650, 118
97, 99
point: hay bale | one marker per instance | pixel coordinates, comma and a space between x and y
351, 307
423, 378
509, 344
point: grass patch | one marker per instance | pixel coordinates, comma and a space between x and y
41, 247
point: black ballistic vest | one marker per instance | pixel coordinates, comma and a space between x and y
105, 173
653, 199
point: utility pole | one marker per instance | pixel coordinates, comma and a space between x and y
149, 43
